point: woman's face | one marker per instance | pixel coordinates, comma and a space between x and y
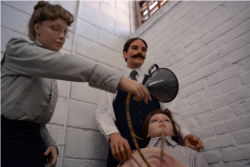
156, 123
51, 33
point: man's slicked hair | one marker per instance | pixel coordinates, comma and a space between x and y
128, 43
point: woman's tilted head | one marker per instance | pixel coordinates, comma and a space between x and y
154, 122
49, 25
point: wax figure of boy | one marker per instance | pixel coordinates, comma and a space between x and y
29, 89
174, 154
111, 110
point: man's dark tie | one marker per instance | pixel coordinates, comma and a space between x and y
133, 74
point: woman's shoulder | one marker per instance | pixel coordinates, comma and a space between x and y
17, 41
14, 44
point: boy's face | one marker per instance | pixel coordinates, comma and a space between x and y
136, 54
51, 33
156, 123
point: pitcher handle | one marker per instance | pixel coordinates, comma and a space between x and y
151, 68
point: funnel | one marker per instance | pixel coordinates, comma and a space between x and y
162, 84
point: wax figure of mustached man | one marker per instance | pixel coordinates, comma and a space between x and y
174, 155
111, 110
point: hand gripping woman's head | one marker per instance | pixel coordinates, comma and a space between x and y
49, 25
154, 122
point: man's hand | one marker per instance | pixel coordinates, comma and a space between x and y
120, 148
51, 152
193, 142
136, 88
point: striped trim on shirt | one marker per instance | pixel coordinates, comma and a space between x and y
188, 156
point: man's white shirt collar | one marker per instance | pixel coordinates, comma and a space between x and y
139, 71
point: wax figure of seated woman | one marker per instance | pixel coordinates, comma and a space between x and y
174, 155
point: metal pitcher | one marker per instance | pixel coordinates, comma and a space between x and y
162, 84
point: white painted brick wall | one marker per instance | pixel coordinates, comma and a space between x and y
19, 16
111, 3
81, 115
110, 40
234, 124
98, 163
96, 18
92, 4
229, 98
236, 154
242, 137
245, 79
62, 88
85, 144
195, 98
121, 30
218, 142
246, 64
122, 6
215, 116
241, 107
88, 30
56, 133
25, 7
2, 53
205, 131
103, 28
59, 114
206, 44
212, 157
77, 162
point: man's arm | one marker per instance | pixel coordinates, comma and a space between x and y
105, 118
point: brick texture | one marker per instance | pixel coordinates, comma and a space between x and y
206, 44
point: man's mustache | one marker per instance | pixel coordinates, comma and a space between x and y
138, 55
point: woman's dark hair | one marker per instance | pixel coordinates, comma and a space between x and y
128, 43
45, 11
168, 113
